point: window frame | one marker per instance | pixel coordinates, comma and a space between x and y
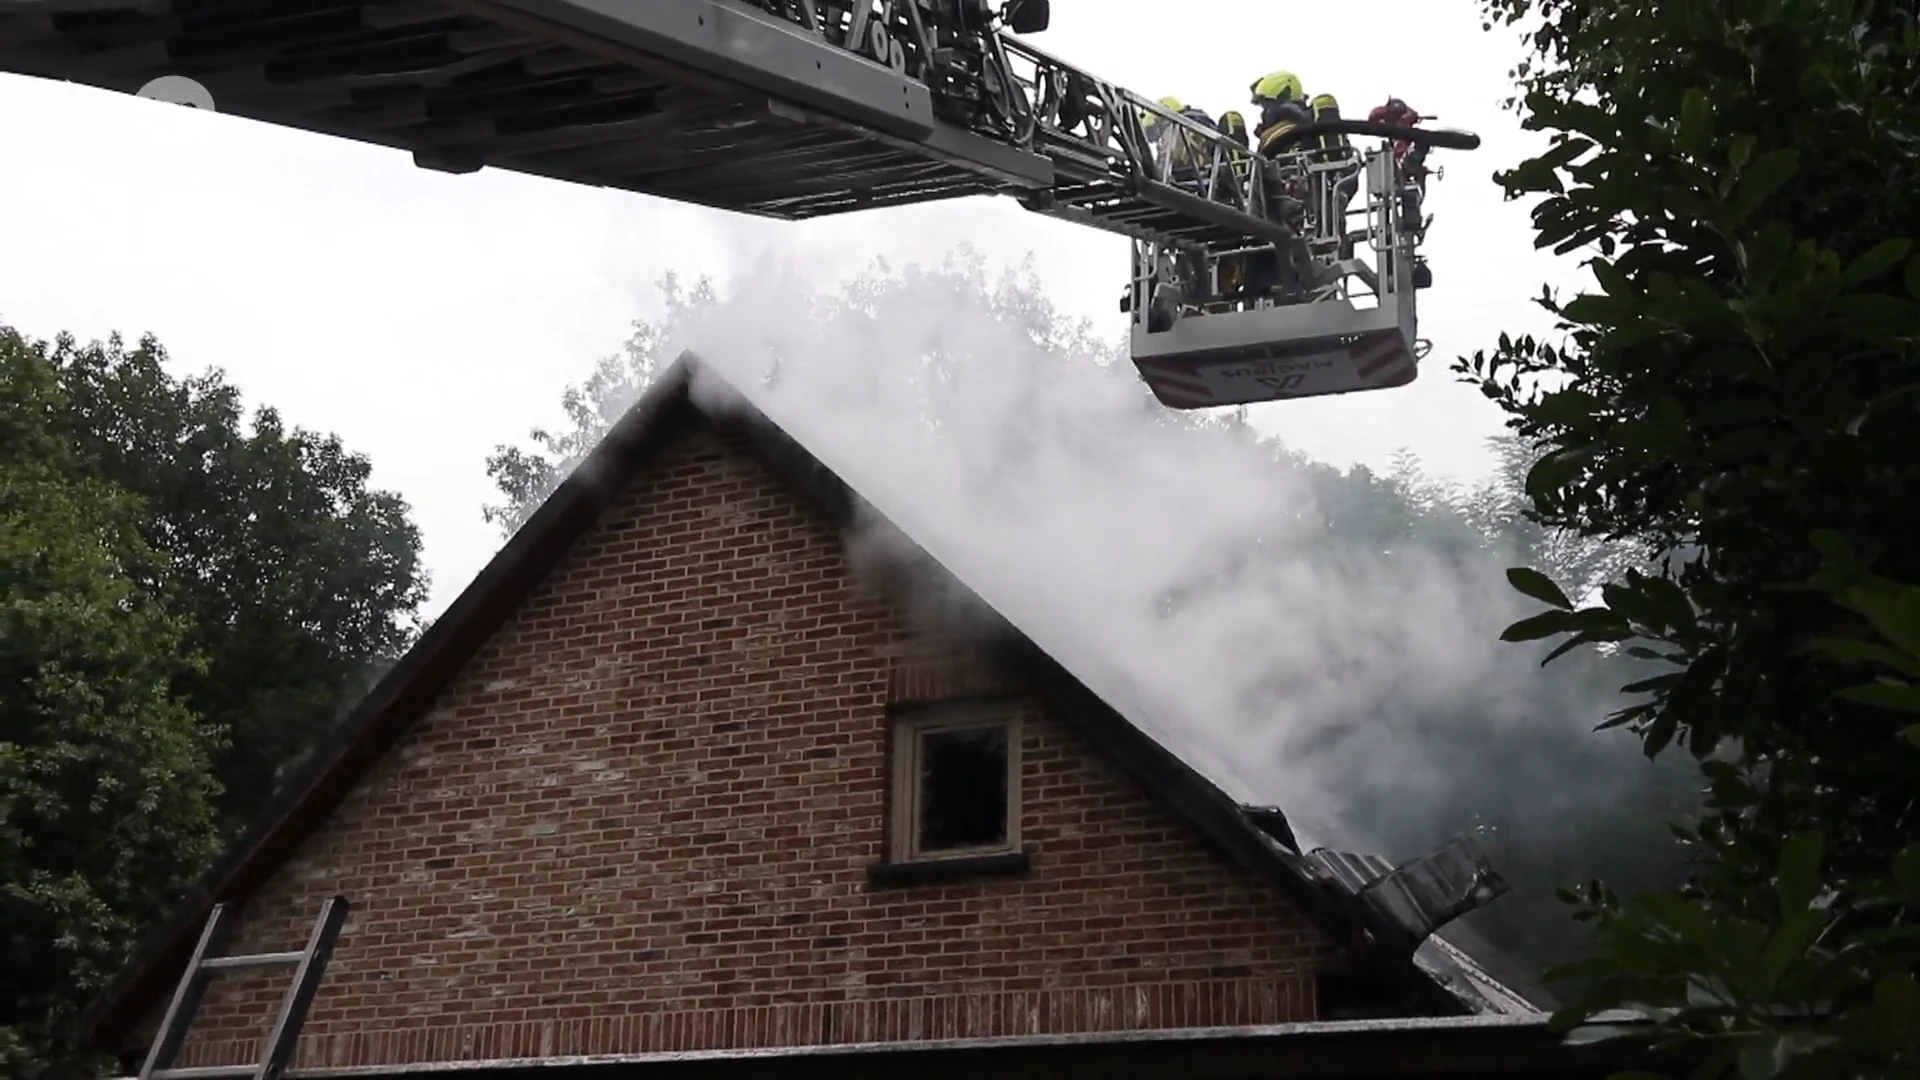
908, 731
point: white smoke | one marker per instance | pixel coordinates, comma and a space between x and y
1046, 479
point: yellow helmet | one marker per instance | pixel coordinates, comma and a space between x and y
1280, 86
1148, 118
1231, 120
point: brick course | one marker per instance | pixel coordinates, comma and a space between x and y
640, 819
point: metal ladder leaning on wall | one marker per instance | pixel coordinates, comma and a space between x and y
276, 1053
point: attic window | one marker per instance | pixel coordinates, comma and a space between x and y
956, 791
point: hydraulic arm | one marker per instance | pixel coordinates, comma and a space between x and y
791, 109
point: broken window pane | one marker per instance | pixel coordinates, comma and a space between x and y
963, 788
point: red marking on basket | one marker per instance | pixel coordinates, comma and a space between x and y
1377, 358
1170, 382
1179, 392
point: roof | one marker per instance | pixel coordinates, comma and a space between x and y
1346, 896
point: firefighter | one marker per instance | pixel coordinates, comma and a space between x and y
1325, 109
1233, 268
1283, 106
1234, 127
1186, 156
1183, 154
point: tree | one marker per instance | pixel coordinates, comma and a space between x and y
1590, 807
1366, 538
296, 577
106, 788
1498, 506
524, 478
1738, 396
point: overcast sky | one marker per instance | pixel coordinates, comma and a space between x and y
426, 317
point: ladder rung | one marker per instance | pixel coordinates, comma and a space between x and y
217, 963
276, 1052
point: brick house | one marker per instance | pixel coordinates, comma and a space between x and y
667, 788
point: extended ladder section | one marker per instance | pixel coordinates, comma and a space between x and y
1185, 186
783, 108
797, 109
276, 1052
1105, 171
1248, 283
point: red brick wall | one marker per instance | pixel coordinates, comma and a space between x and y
640, 820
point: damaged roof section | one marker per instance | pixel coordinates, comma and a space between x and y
1418, 897
1392, 917
1413, 903
1422, 897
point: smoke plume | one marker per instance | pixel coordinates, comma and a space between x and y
1185, 568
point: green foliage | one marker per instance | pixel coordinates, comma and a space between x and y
186, 600
1738, 394
105, 787
296, 577
526, 477
1592, 806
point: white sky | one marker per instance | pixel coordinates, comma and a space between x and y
426, 317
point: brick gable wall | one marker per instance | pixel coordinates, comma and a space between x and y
640, 821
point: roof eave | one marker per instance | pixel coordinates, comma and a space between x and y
1453, 1047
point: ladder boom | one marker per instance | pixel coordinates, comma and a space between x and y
1090, 131
798, 109
781, 108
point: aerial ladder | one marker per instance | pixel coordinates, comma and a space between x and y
798, 109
